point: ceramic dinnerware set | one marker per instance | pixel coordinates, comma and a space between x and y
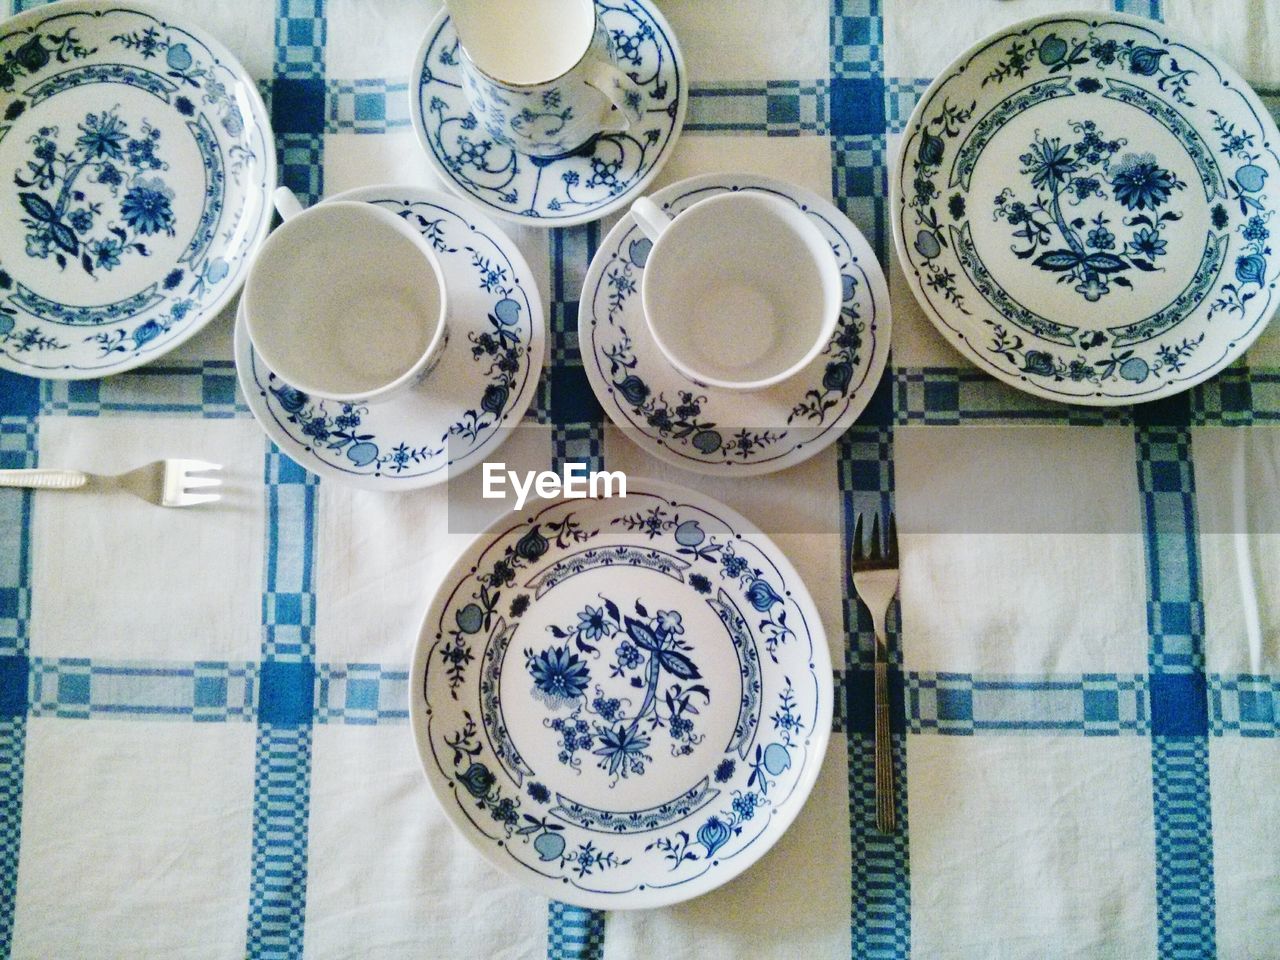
623, 702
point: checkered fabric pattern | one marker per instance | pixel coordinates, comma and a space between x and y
204, 741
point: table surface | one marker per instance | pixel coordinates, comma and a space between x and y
1061, 793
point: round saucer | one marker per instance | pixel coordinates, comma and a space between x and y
718, 431
482, 385
1083, 205
586, 185
622, 702
139, 165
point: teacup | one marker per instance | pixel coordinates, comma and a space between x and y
541, 75
740, 290
346, 301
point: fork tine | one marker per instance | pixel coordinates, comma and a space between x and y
875, 536
857, 540
192, 483
892, 537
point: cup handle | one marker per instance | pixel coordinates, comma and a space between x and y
620, 89
287, 204
650, 218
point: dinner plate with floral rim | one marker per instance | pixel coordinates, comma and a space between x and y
622, 702
716, 431
591, 182
464, 409
139, 165
1083, 206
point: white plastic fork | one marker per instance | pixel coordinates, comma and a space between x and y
166, 483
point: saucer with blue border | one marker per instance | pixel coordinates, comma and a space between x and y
603, 176
464, 409
713, 430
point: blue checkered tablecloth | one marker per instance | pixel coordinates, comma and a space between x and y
204, 746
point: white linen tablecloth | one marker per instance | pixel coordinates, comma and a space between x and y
170, 788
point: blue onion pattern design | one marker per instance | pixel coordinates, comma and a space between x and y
64, 224
1246, 186
463, 122
478, 615
1102, 208
729, 564
105, 181
1086, 253
1068, 55
613, 679
652, 657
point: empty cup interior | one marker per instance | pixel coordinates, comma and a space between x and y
524, 41
343, 300
741, 289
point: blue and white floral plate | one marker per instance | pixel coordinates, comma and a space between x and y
642, 737
139, 165
464, 409
602, 177
717, 431
1084, 205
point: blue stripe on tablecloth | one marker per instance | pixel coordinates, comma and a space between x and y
298, 99
880, 895
569, 404
574, 933
1185, 910
880, 872
1140, 8
286, 704
577, 436
1244, 704
771, 108
17, 450
1185, 907
372, 694
286, 694
1240, 396
204, 691
1095, 705
205, 389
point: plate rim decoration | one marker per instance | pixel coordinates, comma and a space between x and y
451, 790
961, 333
247, 360
257, 119
596, 212
876, 315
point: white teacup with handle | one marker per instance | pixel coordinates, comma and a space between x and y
346, 301
740, 290
541, 75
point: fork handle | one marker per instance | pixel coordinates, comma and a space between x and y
43, 479
884, 749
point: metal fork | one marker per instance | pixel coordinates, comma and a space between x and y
875, 579
167, 483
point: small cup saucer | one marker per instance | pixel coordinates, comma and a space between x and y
463, 410
717, 431
601, 177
